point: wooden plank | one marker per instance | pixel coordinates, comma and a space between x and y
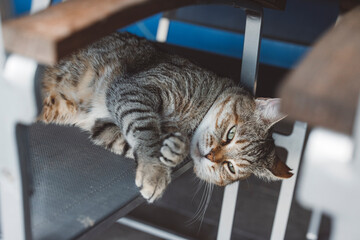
57, 31
324, 89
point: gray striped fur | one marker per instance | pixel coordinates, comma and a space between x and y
146, 104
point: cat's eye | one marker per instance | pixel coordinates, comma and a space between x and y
231, 167
230, 134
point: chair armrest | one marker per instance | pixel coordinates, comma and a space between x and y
324, 89
51, 34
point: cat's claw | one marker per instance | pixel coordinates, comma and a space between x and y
152, 180
174, 149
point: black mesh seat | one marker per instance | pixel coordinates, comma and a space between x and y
75, 183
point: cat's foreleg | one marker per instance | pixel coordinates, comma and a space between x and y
152, 177
135, 111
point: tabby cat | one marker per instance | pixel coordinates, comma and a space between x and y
143, 103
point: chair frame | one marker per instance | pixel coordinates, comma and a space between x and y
18, 88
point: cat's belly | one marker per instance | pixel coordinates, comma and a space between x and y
85, 119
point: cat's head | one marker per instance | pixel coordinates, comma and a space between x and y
234, 140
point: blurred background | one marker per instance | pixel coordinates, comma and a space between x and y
212, 36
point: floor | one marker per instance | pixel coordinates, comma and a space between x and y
118, 231
253, 218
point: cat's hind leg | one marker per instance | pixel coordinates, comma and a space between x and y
57, 108
108, 135
151, 176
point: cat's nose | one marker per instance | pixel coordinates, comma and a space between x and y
211, 156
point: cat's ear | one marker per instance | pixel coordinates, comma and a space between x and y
281, 170
268, 110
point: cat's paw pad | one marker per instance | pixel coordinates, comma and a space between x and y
152, 180
174, 149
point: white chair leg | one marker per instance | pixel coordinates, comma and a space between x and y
294, 145
37, 5
18, 103
313, 230
248, 79
228, 211
163, 29
251, 50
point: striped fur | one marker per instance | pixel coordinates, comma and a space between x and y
142, 103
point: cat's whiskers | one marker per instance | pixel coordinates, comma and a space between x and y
199, 208
204, 203
208, 198
200, 184
196, 180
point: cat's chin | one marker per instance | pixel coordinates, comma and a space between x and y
200, 169
199, 162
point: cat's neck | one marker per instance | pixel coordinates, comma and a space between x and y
190, 110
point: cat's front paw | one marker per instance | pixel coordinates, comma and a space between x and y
152, 179
174, 149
